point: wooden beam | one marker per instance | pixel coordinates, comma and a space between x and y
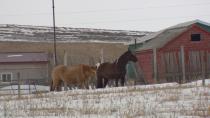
155, 64
203, 67
183, 64
18, 77
65, 57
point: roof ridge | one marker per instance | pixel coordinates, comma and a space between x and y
188, 23
177, 26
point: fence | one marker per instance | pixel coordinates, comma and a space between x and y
181, 66
24, 86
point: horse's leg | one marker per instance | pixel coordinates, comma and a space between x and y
83, 85
116, 82
69, 87
105, 82
87, 82
59, 86
99, 82
122, 81
52, 88
54, 83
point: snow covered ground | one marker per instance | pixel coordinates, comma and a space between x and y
169, 100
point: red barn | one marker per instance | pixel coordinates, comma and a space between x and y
179, 53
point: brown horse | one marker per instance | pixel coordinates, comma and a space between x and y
78, 75
114, 71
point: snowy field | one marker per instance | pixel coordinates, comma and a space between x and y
169, 100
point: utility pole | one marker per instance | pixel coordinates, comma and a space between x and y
55, 54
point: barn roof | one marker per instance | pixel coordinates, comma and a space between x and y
23, 57
30, 33
160, 38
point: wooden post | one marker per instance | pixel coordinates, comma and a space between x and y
18, 77
5, 110
203, 67
135, 44
136, 71
155, 64
183, 64
65, 63
102, 55
47, 71
29, 86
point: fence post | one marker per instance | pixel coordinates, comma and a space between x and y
102, 56
65, 63
18, 77
203, 67
183, 64
155, 64
29, 88
5, 109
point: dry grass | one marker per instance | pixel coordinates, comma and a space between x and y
90, 102
208, 111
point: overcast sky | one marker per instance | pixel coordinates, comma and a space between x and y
141, 15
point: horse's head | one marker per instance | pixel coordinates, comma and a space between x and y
131, 56
89, 70
97, 65
94, 68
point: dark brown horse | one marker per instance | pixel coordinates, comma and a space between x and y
114, 71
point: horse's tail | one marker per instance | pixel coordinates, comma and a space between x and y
56, 73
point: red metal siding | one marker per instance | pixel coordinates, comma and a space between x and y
145, 57
185, 40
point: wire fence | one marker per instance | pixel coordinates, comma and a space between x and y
24, 86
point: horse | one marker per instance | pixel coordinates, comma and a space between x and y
114, 71
78, 75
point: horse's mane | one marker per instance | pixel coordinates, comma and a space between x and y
122, 59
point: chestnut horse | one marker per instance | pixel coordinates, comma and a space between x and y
114, 71
78, 75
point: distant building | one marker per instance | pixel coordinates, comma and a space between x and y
175, 53
30, 66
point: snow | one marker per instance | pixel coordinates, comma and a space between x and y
27, 33
14, 55
169, 100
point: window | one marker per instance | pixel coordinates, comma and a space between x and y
195, 37
6, 77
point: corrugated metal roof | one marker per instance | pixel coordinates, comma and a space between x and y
186, 24
23, 57
160, 38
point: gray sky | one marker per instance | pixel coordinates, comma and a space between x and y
142, 15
